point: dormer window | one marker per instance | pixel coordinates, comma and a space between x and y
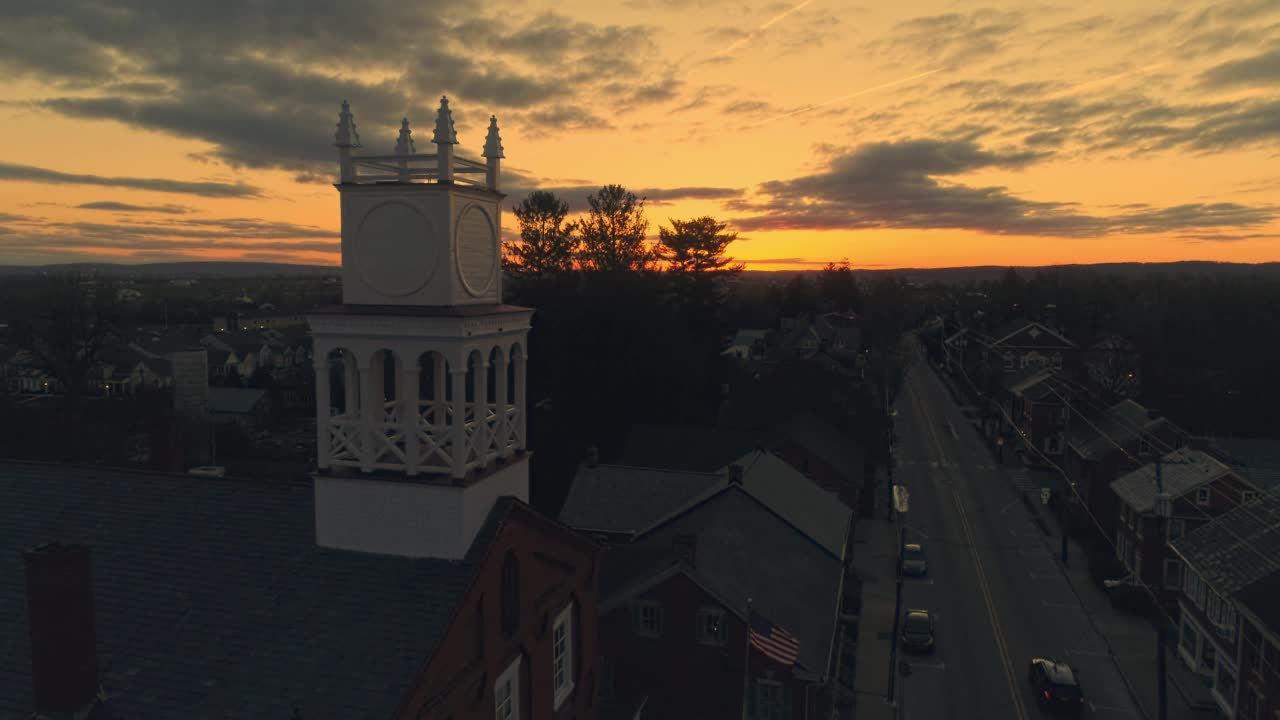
1202, 496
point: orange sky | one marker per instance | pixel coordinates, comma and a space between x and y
925, 134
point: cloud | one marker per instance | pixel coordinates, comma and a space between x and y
31, 173
1226, 237
126, 207
519, 185
901, 185
1263, 69
951, 38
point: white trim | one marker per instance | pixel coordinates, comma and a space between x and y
563, 620
510, 678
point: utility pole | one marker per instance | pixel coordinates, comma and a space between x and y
1162, 508
1066, 479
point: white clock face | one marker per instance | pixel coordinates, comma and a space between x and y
477, 245
396, 250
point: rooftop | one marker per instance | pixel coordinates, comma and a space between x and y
1184, 470
1122, 423
212, 594
1237, 548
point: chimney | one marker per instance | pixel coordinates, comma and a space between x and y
64, 658
735, 474
685, 547
593, 456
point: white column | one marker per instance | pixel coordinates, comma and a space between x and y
522, 405
323, 434
407, 389
481, 381
458, 426
444, 162
500, 404
370, 413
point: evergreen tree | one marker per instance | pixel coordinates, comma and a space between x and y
612, 235
547, 245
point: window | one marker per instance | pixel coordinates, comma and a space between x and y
562, 655
506, 693
1174, 528
1188, 640
1144, 447
1172, 574
1202, 496
648, 619
1008, 361
1225, 684
711, 630
771, 701
1247, 497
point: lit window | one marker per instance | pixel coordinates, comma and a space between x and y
648, 619
506, 693
711, 630
562, 655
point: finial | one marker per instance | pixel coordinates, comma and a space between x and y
346, 135
404, 144
493, 143
445, 134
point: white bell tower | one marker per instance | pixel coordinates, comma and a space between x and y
420, 373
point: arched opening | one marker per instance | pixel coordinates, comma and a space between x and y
344, 389
434, 395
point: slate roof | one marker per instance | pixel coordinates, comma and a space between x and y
622, 499
1237, 548
1184, 470
213, 600
1123, 422
1259, 597
234, 400
677, 447
1024, 378
744, 550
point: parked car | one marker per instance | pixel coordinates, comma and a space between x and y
917, 631
1057, 686
914, 561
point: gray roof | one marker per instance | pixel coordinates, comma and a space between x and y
1237, 548
823, 440
798, 500
234, 400
623, 499
744, 550
1122, 422
213, 600
676, 447
1184, 470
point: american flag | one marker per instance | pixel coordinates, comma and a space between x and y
776, 644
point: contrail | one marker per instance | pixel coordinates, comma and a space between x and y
1103, 81
824, 103
743, 41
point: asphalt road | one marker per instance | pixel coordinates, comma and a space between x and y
994, 582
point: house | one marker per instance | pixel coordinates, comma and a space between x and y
215, 594
249, 350
250, 408
1255, 459
1228, 564
674, 616
1259, 665
1022, 344
1199, 486
1108, 444
1037, 403
748, 345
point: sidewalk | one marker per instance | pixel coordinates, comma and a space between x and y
875, 557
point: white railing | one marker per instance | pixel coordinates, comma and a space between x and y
433, 430
411, 168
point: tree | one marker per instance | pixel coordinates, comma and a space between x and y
697, 246
612, 235
837, 286
547, 245
65, 336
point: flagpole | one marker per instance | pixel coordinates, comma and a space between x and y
746, 662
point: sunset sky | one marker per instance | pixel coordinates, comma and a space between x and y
926, 133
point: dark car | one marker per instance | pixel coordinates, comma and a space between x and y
917, 631
914, 561
1057, 686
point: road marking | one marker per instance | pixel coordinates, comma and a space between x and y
937, 444
997, 633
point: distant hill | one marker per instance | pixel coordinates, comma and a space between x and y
921, 275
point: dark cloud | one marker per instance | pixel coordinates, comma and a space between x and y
950, 38
1262, 69
126, 207
30, 173
898, 185
519, 185
1226, 237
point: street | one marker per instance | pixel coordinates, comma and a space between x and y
993, 582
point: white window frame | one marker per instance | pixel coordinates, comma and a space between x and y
510, 678
562, 655
1172, 584
1204, 496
